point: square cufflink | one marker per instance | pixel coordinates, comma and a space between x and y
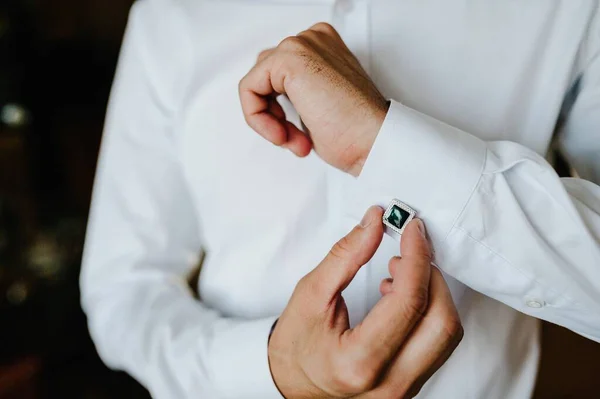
398, 215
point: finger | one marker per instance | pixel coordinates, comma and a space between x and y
255, 90
258, 117
331, 32
386, 286
392, 265
347, 256
387, 325
327, 29
264, 54
414, 245
297, 141
429, 346
275, 108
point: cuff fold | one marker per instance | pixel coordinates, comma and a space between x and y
427, 164
242, 369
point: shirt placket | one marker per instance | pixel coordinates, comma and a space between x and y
351, 20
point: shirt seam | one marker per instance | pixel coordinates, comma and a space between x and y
518, 269
464, 207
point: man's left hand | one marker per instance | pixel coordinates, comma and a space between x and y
337, 101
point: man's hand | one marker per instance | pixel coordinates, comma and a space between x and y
404, 339
336, 99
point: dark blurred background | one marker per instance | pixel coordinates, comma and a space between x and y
57, 60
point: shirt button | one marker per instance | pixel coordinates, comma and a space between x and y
344, 6
535, 303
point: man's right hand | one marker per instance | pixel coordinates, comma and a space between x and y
406, 337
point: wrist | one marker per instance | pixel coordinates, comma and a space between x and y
287, 374
271, 360
367, 139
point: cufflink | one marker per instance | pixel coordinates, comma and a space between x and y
398, 215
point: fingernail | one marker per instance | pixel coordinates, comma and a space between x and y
421, 227
366, 220
369, 216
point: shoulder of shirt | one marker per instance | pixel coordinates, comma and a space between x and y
183, 9
160, 35
165, 17
169, 27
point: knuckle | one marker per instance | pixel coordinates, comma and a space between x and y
412, 391
450, 328
341, 249
310, 34
415, 306
393, 264
400, 392
355, 377
324, 27
244, 85
293, 43
460, 334
309, 286
263, 54
304, 284
455, 328
422, 254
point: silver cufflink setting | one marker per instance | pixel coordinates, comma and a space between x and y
398, 215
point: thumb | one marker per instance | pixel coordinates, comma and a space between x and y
349, 254
414, 245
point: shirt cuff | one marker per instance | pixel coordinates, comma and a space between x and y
425, 163
241, 367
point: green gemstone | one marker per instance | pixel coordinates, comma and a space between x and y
398, 217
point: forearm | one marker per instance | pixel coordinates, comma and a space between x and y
501, 220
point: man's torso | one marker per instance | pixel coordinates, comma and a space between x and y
498, 70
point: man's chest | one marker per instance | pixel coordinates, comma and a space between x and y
496, 70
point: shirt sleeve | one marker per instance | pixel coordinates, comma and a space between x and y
143, 236
500, 219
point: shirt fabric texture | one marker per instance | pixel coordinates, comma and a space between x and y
479, 92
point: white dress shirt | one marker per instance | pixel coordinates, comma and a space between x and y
479, 90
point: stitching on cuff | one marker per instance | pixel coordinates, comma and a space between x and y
460, 213
552, 291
